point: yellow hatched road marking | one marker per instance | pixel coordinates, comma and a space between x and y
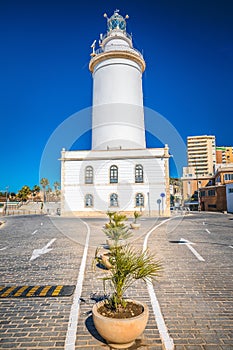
1, 288
20, 291
57, 291
32, 291
44, 291
7, 292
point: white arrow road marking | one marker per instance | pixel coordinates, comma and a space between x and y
188, 244
4, 248
34, 232
37, 252
207, 231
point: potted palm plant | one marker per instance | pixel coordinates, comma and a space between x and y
117, 233
135, 224
117, 319
116, 230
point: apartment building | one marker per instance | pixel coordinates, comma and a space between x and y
201, 154
218, 196
224, 155
191, 182
201, 164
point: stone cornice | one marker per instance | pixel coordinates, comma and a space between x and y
117, 54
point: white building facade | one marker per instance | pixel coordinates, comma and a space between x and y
229, 197
119, 173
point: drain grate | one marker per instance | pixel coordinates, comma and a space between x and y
36, 291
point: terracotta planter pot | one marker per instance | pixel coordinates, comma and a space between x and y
120, 333
135, 226
105, 261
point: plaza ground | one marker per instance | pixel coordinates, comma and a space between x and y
195, 295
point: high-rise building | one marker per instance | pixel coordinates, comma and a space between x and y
119, 172
201, 154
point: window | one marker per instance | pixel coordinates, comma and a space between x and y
138, 173
211, 193
113, 174
230, 190
202, 193
211, 205
139, 200
88, 200
113, 200
228, 176
89, 175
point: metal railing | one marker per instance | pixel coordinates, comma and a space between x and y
30, 212
119, 48
104, 36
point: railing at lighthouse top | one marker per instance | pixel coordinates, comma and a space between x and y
113, 32
119, 48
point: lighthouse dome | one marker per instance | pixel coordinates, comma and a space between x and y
116, 22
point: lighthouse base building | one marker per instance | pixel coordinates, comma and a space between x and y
119, 173
94, 182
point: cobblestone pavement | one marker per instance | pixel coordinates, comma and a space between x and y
195, 296
36, 323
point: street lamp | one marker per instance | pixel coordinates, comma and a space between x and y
7, 188
198, 194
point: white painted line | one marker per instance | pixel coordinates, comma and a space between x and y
231, 246
37, 252
74, 312
4, 248
148, 233
189, 245
207, 231
203, 222
166, 339
34, 232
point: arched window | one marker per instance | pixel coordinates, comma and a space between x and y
113, 174
88, 200
113, 200
89, 175
139, 200
138, 173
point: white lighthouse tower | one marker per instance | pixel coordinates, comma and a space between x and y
117, 70
119, 173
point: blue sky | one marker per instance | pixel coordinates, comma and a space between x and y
45, 51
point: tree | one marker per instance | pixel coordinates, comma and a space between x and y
56, 185
48, 193
35, 190
24, 193
44, 183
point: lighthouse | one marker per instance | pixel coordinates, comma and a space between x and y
119, 173
117, 67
